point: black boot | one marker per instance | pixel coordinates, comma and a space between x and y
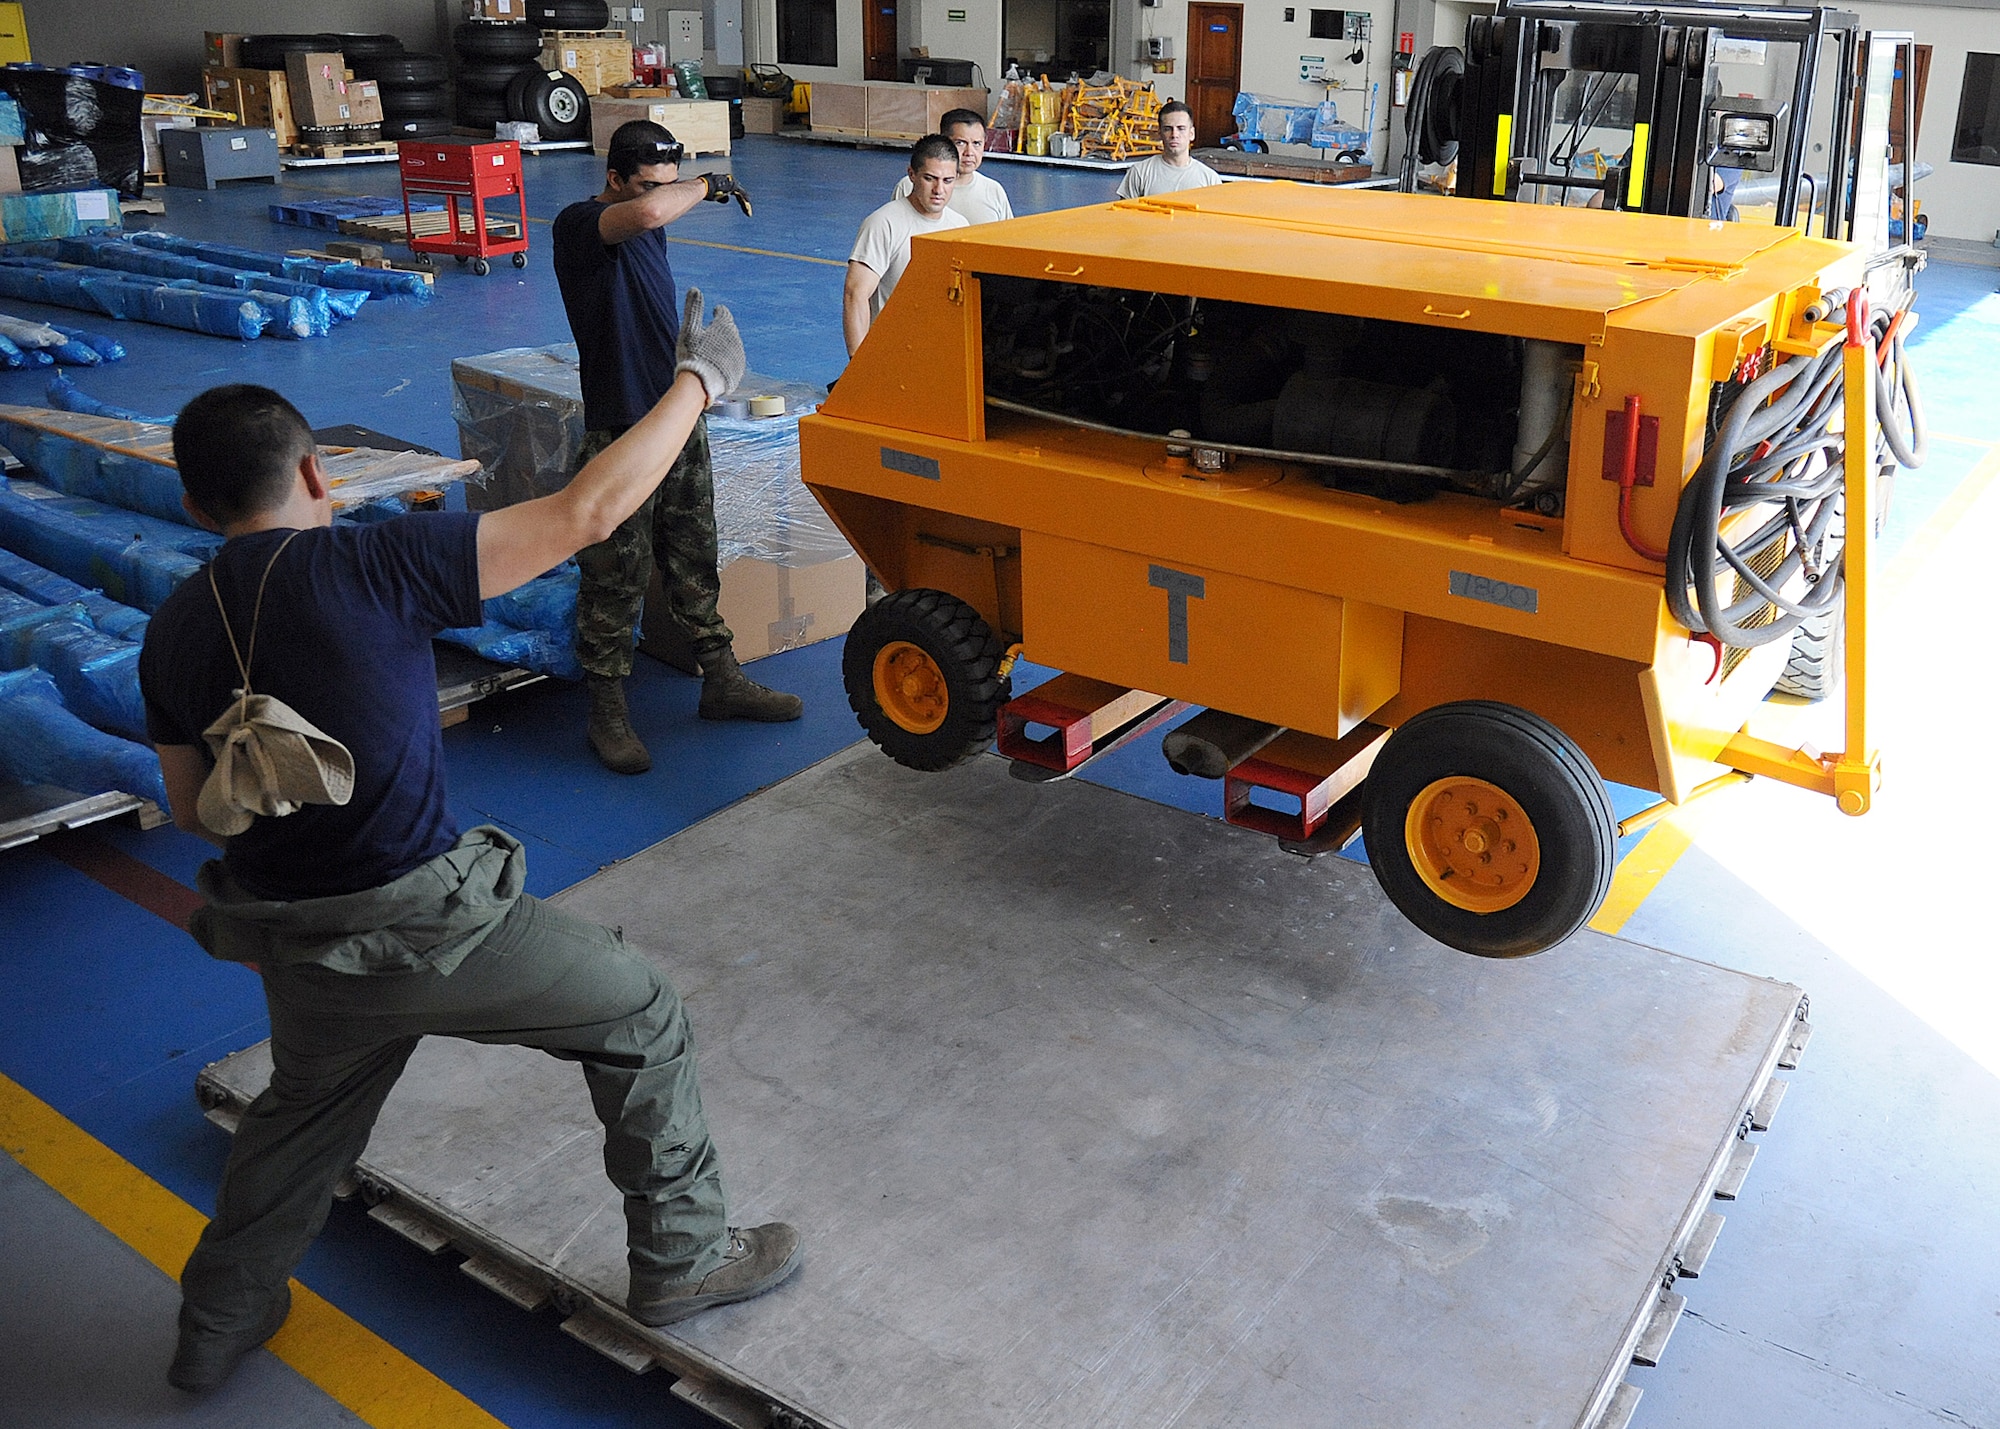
728, 693
611, 736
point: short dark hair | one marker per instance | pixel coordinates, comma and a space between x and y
932, 146
238, 449
960, 116
1174, 106
634, 145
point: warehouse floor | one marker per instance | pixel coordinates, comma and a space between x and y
1857, 1282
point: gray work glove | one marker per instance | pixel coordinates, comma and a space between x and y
713, 353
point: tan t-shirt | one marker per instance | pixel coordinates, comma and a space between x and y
883, 245
1156, 176
978, 198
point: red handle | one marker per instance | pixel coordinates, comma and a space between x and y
1858, 317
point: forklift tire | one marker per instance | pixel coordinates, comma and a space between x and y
1812, 670
922, 671
1489, 829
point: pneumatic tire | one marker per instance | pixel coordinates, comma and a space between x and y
922, 670
1489, 829
1813, 668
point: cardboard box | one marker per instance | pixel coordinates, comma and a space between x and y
701, 124
10, 171
223, 51
762, 116
323, 96
507, 11
150, 126
259, 98
768, 605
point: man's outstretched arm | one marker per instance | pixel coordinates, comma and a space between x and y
519, 542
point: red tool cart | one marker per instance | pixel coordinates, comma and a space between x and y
466, 174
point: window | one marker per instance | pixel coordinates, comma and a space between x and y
807, 33
1976, 140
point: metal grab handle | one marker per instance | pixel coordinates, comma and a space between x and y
1430, 311
1050, 267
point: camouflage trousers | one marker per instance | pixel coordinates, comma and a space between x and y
673, 529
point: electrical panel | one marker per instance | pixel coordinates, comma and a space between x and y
684, 35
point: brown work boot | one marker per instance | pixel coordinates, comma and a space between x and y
728, 693
611, 736
757, 1259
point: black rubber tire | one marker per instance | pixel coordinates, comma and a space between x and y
408, 71
425, 126
481, 267
269, 51
367, 47
552, 101
520, 260
1814, 667
967, 654
569, 14
1543, 771
432, 103
481, 111
489, 78
494, 44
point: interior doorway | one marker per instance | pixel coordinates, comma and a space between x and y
1057, 38
1215, 68
878, 39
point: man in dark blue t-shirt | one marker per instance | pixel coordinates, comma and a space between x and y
374, 921
618, 289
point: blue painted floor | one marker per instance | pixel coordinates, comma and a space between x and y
1858, 1282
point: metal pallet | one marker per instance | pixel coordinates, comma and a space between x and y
1093, 1112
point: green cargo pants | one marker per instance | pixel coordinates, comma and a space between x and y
515, 971
674, 528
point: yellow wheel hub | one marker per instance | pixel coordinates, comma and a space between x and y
1472, 845
910, 687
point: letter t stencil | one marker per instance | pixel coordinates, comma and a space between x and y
1180, 588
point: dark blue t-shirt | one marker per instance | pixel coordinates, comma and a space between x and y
344, 639
623, 311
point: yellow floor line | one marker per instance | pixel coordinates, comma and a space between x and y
1922, 545
352, 1364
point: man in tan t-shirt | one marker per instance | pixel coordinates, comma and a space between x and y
882, 248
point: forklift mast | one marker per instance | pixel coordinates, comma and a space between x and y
1778, 113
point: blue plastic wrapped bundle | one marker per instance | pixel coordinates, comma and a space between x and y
532, 626
41, 742
23, 577
218, 313
165, 532
108, 348
383, 282
14, 356
97, 675
325, 306
1328, 132
13, 130
93, 552
96, 472
65, 396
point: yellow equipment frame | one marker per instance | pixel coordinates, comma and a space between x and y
1260, 591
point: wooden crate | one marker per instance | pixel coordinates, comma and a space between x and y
598, 58
839, 108
763, 116
881, 109
259, 98
701, 124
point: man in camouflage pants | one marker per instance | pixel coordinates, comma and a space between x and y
618, 290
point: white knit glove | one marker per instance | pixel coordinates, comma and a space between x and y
712, 352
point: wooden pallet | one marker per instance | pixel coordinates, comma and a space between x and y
373, 149
389, 227
399, 265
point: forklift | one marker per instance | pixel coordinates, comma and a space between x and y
1773, 114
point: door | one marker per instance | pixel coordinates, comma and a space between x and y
1215, 65
878, 39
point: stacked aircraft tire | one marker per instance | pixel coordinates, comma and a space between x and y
569, 14
490, 56
415, 102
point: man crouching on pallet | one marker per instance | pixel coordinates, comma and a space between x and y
291, 692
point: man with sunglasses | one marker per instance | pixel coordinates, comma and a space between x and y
611, 261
